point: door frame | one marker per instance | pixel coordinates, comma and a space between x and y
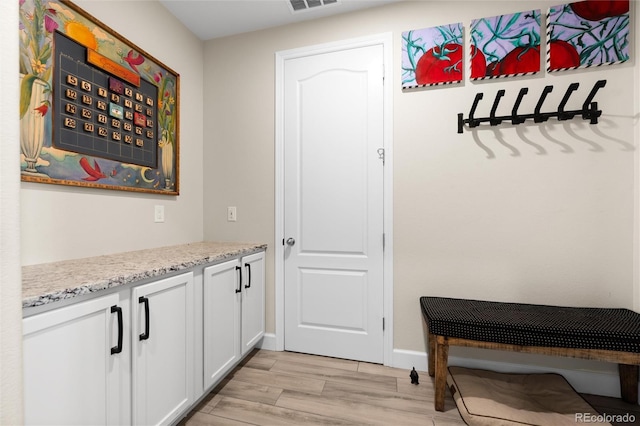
386, 40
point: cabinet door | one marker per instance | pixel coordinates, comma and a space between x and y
72, 364
162, 334
252, 301
221, 311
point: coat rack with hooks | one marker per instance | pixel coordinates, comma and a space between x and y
589, 109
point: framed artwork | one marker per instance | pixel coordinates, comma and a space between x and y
95, 109
505, 45
587, 33
432, 56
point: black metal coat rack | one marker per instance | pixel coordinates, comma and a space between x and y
589, 109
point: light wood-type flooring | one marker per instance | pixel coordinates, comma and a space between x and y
286, 388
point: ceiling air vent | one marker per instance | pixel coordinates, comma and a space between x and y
300, 5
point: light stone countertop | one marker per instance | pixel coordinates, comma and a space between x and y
51, 282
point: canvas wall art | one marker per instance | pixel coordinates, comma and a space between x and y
95, 109
505, 45
587, 33
432, 56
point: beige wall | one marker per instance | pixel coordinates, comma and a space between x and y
63, 222
10, 280
539, 213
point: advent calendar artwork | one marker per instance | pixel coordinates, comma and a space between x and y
95, 110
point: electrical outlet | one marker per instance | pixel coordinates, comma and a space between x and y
158, 214
231, 214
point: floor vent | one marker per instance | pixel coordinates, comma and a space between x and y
300, 5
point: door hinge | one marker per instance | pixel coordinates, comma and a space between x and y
384, 238
380, 152
382, 323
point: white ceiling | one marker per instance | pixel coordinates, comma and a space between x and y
209, 19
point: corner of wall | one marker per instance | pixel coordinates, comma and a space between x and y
10, 290
635, 11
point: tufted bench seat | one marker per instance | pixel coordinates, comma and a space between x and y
603, 334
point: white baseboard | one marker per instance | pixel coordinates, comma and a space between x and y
268, 342
591, 382
409, 359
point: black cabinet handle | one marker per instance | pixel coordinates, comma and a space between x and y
145, 335
239, 289
117, 349
248, 266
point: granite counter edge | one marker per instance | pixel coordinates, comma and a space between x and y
116, 281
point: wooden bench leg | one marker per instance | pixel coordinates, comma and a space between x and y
629, 382
432, 353
442, 353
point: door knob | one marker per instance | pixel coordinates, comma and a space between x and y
290, 241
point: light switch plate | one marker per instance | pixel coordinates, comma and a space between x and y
158, 214
231, 214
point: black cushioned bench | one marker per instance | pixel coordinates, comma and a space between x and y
603, 334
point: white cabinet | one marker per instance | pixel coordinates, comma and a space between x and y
233, 312
87, 363
129, 356
221, 313
253, 303
74, 362
162, 349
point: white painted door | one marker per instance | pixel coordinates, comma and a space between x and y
333, 203
162, 334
